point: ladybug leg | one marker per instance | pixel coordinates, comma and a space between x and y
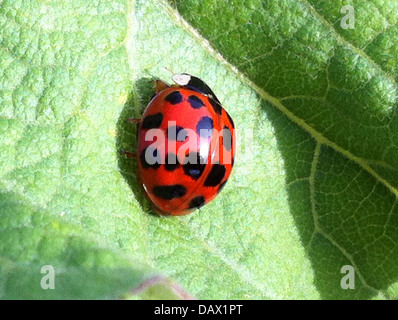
134, 120
160, 85
129, 154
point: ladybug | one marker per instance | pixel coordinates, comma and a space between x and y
186, 145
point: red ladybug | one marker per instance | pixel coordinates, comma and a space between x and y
186, 145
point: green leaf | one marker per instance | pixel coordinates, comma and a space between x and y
314, 185
331, 96
31, 240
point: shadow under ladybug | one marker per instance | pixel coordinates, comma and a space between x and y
127, 138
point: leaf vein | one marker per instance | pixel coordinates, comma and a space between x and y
344, 41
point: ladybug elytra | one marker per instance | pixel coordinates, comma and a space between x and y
186, 145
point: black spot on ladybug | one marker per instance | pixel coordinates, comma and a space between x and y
150, 159
205, 127
195, 102
193, 166
216, 106
215, 176
222, 185
174, 97
227, 138
230, 119
171, 163
152, 121
177, 133
170, 192
197, 202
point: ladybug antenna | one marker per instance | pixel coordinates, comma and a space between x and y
169, 70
